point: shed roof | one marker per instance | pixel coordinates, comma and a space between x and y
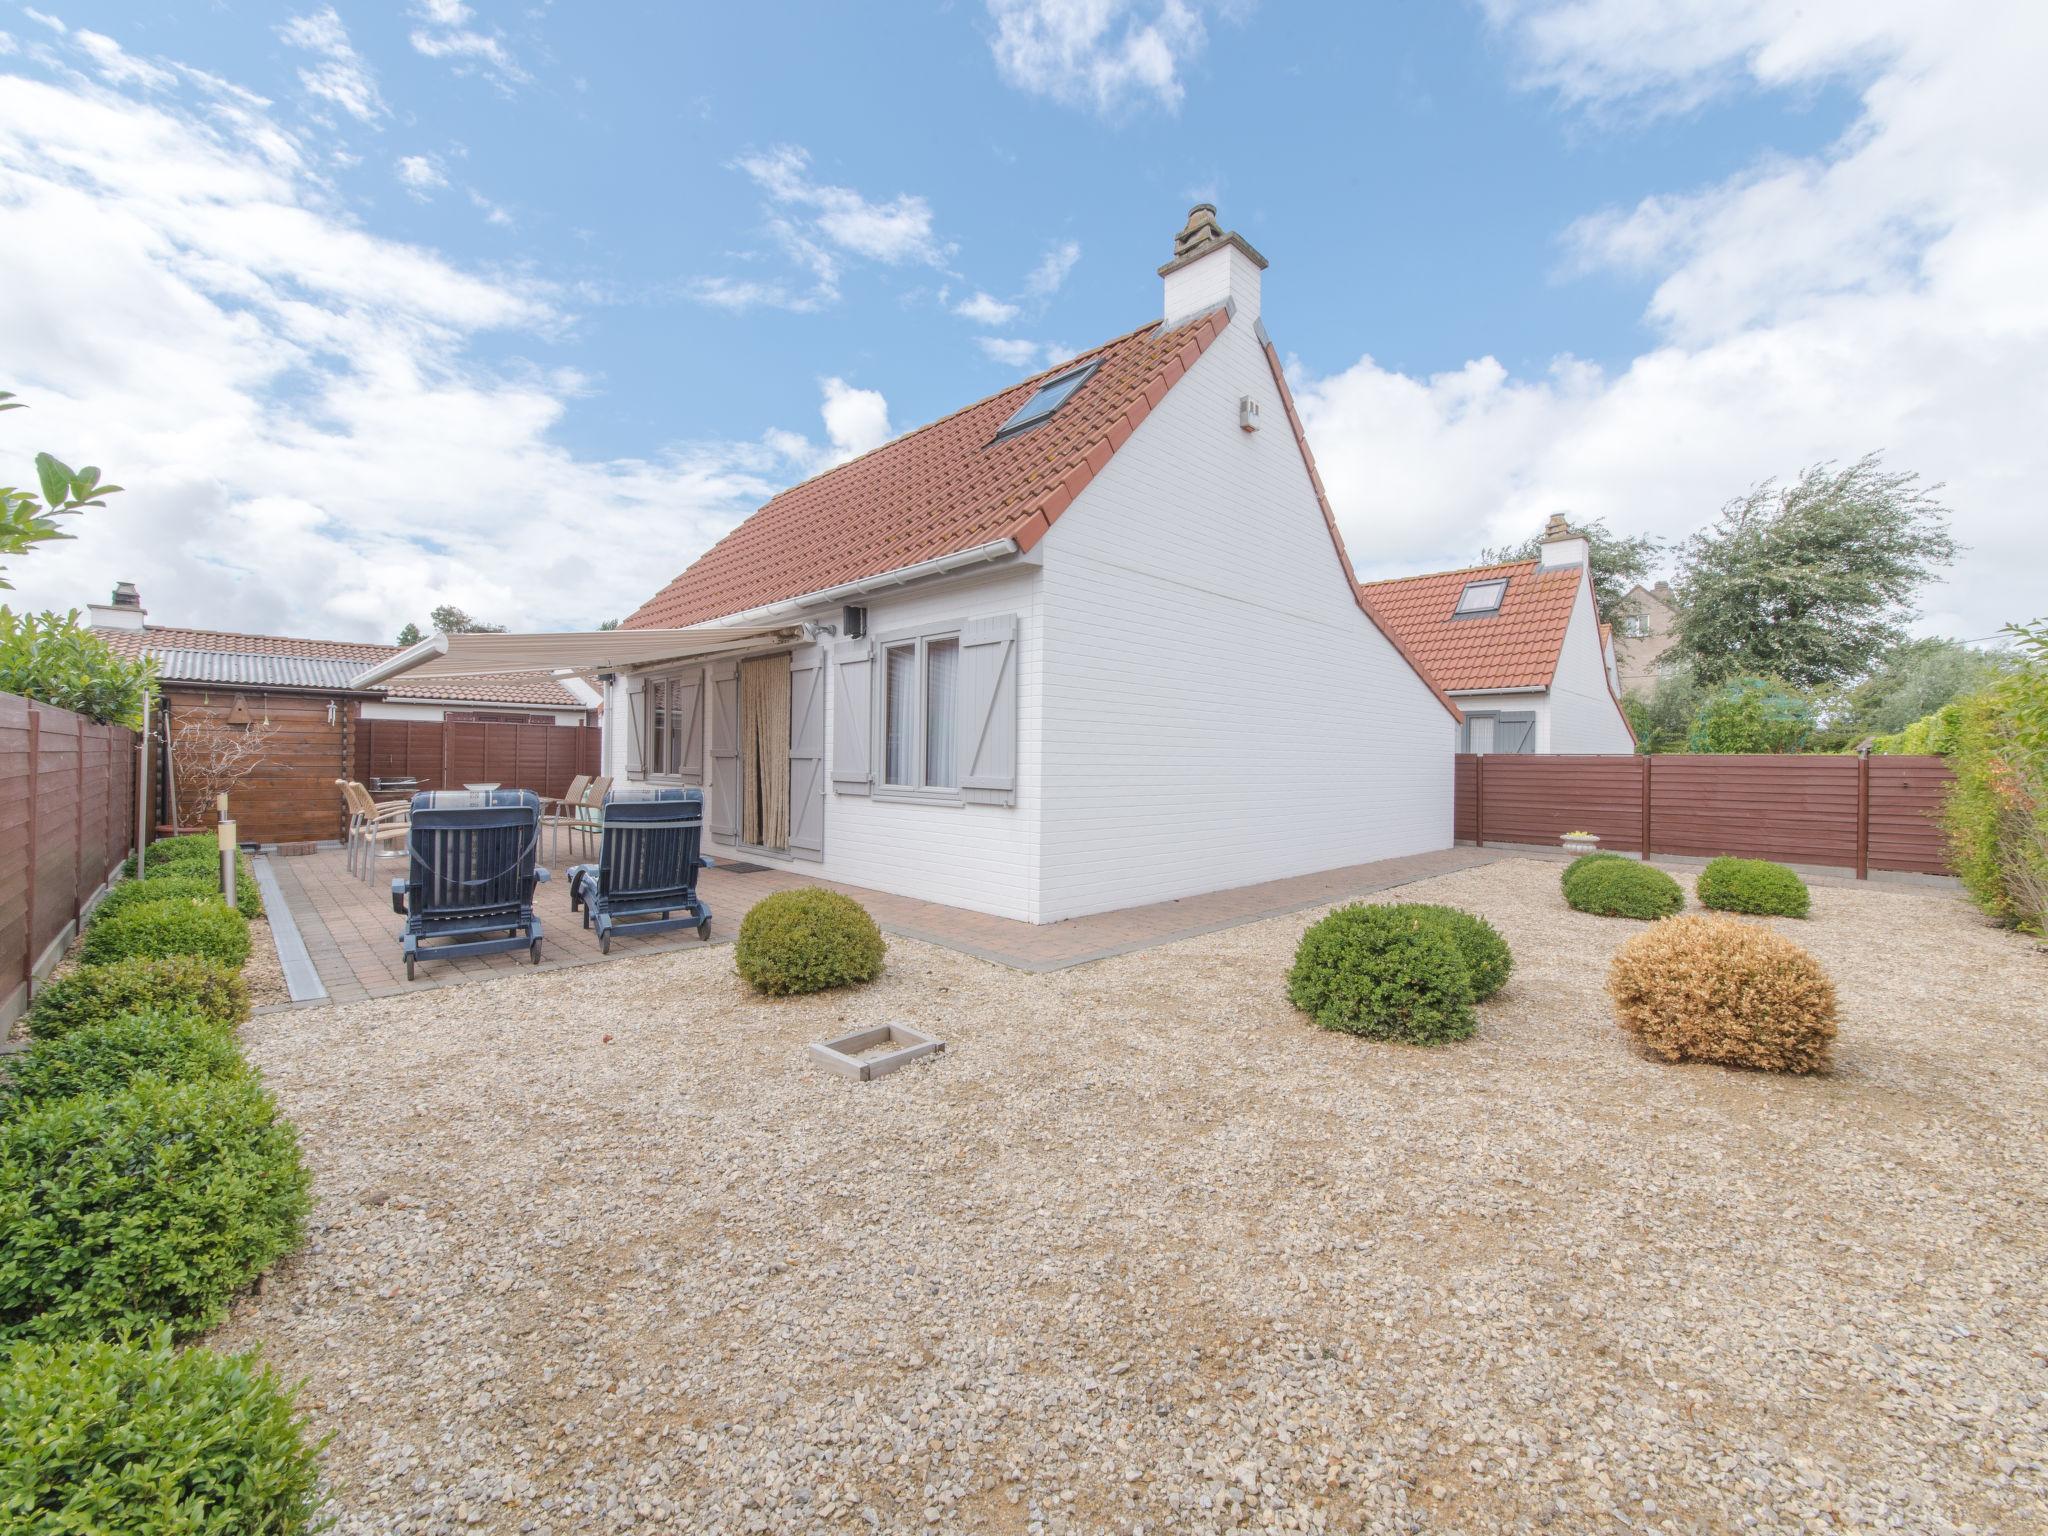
1514, 647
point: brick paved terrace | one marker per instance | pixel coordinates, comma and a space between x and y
351, 933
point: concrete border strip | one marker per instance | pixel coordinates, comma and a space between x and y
301, 979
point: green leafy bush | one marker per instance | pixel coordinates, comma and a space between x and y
106, 1057
1996, 814
1752, 714
206, 927
182, 983
1609, 886
198, 858
62, 662
1486, 953
1385, 972
188, 845
1755, 886
134, 893
152, 1205
807, 940
144, 1439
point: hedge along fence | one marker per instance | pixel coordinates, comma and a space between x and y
1846, 812
67, 821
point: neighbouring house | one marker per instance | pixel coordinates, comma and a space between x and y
1519, 646
1089, 643
324, 728
1646, 636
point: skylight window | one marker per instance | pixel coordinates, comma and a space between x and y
1050, 396
1481, 597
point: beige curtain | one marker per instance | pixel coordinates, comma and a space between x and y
764, 752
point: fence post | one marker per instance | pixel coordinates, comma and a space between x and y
1863, 813
1479, 800
78, 829
1645, 781
35, 795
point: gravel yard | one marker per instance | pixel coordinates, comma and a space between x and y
597, 1250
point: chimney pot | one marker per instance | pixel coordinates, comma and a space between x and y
126, 596
1211, 267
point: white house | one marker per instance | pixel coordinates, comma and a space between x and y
1519, 646
1089, 643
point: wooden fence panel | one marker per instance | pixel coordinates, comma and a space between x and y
1801, 810
447, 755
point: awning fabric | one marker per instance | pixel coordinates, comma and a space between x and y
582, 652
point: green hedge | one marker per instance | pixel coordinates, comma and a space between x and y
135, 893
1385, 972
206, 927
142, 1439
152, 1205
1609, 886
203, 846
199, 859
807, 940
1755, 886
106, 1057
1486, 953
95, 993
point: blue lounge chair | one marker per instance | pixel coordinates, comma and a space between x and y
651, 847
470, 892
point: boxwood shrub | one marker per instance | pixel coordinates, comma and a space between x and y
179, 925
106, 1057
1385, 972
133, 893
807, 940
1486, 953
1609, 886
152, 1205
167, 850
1714, 989
141, 1438
197, 862
1755, 886
183, 983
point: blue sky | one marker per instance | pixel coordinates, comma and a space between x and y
617, 272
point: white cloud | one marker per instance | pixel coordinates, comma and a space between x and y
310, 442
421, 176
119, 66
1014, 352
983, 309
448, 35
1881, 294
8, 44
1109, 55
342, 77
856, 420
492, 212
1051, 272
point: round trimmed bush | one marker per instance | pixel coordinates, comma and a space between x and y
151, 1205
202, 862
149, 1440
180, 925
1714, 989
1384, 972
167, 850
1486, 953
1755, 886
134, 893
807, 940
1610, 886
106, 1057
182, 983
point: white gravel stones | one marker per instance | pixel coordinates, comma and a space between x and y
1221, 1271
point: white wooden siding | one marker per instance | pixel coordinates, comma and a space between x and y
1583, 714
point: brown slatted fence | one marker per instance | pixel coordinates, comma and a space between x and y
449, 754
67, 820
1846, 812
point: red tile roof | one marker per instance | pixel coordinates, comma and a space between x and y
537, 689
939, 490
1516, 647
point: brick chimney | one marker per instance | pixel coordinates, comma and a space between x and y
1560, 546
123, 610
1210, 266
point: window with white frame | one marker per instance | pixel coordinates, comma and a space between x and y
670, 718
920, 713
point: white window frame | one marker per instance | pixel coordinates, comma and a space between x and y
1499, 584
920, 641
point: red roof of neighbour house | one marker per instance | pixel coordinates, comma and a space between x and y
534, 689
1516, 647
939, 490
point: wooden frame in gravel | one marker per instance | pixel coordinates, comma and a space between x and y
842, 1054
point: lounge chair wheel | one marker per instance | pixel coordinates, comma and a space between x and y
704, 930
604, 943
408, 967
534, 950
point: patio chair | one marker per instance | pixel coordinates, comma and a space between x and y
473, 873
585, 819
558, 810
376, 829
649, 852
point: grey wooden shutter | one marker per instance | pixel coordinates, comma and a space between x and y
1515, 733
636, 727
807, 753
724, 809
988, 710
853, 716
686, 703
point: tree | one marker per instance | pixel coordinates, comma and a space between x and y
410, 635
1662, 718
1619, 564
57, 660
1809, 582
1752, 714
609, 624
1913, 680
26, 522
451, 620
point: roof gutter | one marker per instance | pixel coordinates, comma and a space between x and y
1476, 693
980, 554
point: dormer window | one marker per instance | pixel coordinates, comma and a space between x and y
1049, 397
1481, 597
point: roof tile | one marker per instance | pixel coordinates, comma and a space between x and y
1516, 647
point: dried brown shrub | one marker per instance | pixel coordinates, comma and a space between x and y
1715, 989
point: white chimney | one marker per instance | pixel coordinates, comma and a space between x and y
1560, 546
123, 611
1210, 267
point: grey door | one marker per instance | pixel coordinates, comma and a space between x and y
807, 753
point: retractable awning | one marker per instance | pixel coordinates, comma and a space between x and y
577, 652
